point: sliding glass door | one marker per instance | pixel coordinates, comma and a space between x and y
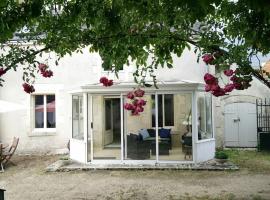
106, 127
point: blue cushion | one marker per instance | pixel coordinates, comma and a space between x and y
144, 133
152, 132
165, 133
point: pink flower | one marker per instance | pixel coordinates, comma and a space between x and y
47, 73
228, 72
2, 71
210, 79
234, 79
109, 83
208, 58
141, 102
42, 67
129, 106
237, 86
229, 87
219, 92
103, 80
130, 95
207, 88
139, 109
28, 88
134, 112
139, 93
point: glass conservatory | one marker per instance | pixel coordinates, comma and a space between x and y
176, 125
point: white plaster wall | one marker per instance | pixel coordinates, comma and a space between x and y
72, 71
256, 91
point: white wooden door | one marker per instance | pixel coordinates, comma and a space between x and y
240, 125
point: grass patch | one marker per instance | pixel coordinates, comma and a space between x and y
252, 160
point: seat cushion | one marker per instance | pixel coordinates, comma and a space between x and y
152, 132
165, 133
144, 133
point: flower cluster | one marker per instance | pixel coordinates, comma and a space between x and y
136, 104
28, 88
208, 58
105, 81
237, 83
2, 71
45, 72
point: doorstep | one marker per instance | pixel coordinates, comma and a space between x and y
70, 165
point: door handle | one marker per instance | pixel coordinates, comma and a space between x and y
236, 119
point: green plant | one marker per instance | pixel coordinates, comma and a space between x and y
221, 155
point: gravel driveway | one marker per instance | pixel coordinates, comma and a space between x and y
29, 181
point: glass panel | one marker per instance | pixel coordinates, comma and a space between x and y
108, 114
204, 104
50, 111
106, 128
77, 117
39, 111
139, 135
208, 103
168, 110
160, 111
175, 143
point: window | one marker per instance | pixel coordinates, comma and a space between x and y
77, 117
204, 116
165, 110
44, 111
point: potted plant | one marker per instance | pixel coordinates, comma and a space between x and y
221, 156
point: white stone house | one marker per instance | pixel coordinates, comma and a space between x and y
73, 106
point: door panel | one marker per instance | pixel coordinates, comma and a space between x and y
240, 125
247, 125
231, 126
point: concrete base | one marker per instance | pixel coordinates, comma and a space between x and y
69, 165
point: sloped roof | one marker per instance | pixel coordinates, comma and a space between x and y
180, 85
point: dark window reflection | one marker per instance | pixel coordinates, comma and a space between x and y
39, 111
50, 111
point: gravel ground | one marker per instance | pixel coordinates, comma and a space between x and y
29, 181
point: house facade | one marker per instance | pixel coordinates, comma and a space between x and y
73, 109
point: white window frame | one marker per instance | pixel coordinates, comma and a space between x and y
45, 128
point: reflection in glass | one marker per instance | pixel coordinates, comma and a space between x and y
77, 117
39, 111
50, 107
204, 104
175, 142
165, 110
139, 135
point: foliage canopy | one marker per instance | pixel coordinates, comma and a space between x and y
120, 30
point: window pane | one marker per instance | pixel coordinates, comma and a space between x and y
108, 113
153, 103
160, 111
169, 109
77, 117
39, 111
208, 103
50, 111
204, 116
139, 135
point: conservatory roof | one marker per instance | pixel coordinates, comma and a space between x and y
163, 86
